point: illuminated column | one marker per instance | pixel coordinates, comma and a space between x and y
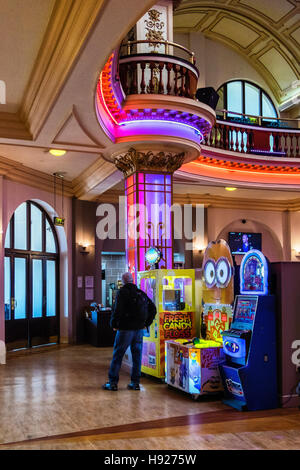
149, 194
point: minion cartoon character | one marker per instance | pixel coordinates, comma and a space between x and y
218, 281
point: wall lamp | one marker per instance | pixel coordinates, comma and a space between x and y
84, 249
297, 252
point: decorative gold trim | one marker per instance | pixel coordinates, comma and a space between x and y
133, 161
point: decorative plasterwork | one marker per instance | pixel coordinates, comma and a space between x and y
221, 202
91, 177
271, 25
22, 174
162, 162
249, 166
67, 31
11, 127
72, 133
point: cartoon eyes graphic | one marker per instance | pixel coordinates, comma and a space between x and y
217, 273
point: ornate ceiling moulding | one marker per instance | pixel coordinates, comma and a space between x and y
11, 127
218, 202
162, 162
262, 21
67, 31
72, 133
19, 173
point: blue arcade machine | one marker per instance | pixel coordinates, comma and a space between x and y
249, 374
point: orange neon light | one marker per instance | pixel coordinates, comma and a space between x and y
105, 77
285, 170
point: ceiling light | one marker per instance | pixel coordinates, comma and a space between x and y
230, 188
57, 152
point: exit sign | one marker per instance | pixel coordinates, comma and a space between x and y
59, 221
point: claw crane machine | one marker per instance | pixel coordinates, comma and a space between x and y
173, 292
193, 365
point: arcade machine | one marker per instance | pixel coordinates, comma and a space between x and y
173, 293
192, 366
249, 371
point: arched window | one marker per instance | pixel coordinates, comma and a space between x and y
243, 97
31, 278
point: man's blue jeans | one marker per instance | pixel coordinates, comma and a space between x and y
124, 339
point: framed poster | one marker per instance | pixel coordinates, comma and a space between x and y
89, 282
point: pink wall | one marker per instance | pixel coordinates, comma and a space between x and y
13, 194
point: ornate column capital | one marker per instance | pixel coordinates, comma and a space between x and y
160, 162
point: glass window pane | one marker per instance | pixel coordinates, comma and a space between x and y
21, 227
252, 100
268, 109
20, 288
235, 97
51, 288
7, 293
221, 104
50, 241
7, 237
36, 229
37, 288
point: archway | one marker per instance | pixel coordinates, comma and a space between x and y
271, 246
31, 278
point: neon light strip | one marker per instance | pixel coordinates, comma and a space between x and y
104, 102
163, 121
245, 171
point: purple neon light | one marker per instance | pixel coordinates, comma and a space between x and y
145, 189
161, 128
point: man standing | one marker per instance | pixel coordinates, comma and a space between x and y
132, 312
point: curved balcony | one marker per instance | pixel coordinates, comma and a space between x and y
255, 135
148, 98
157, 73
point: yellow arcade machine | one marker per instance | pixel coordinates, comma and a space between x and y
192, 366
173, 292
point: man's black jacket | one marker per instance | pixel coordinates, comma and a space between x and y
123, 317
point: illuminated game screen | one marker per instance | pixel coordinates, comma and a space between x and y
241, 242
254, 274
244, 314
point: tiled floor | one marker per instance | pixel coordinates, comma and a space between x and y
52, 399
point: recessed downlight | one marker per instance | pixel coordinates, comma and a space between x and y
57, 152
230, 188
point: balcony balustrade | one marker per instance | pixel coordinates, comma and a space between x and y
255, 135
157, 73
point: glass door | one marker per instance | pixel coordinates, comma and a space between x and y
31, 279
16, 301
43, 321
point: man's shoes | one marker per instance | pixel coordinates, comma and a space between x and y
133, 386
111, 387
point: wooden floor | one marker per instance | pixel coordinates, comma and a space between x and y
52, 399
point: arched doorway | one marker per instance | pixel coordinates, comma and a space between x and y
31, 279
